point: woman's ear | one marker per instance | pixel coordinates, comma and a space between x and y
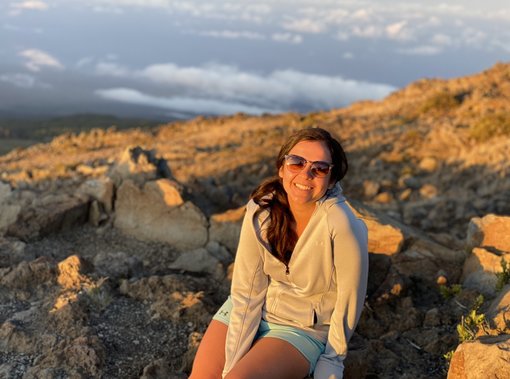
280, 172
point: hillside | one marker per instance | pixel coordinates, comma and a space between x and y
23, 132
422, 162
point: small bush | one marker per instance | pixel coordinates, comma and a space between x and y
489, 126
440, 101
472, 323
450, 291
448, 356
503, 276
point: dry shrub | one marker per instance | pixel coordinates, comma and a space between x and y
440, 102
490, 125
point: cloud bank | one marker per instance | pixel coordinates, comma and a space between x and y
219, 89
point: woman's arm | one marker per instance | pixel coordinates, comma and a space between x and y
249, 286
350, 241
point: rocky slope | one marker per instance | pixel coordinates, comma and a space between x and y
117, 245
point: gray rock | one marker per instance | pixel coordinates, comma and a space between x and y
226, 228
117, 264
139, 165
158, 213
219, 252
480, 268
101, 189
199, 260
49, 214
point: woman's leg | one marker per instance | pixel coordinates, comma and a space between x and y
271, 358
210, 358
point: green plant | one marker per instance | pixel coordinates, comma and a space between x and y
97, 296
469, 325
490, 125
450, 291
440, 101
448, 356
503, 276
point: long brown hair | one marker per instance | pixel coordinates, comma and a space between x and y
271, 195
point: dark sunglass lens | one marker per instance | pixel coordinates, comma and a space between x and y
295, 163
320, 169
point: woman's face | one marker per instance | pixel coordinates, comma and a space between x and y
303, 188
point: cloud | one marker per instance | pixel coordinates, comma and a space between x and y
111, 69
421, 50
398, 31
83, 62
287, 38
31, 4
474, 37
369, 31
38, 58
209, 10
304, 25
441, 39
181, 104
36, 5
19, 80
225, 87
230, 34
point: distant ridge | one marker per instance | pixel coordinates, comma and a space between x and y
25, 131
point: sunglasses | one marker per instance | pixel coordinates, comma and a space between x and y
296, 164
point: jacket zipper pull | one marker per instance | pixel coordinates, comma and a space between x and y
287, 271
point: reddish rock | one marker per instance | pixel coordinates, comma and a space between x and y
490, 231
486, 357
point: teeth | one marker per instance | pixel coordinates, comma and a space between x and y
302, 187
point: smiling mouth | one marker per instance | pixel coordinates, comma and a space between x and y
302, 187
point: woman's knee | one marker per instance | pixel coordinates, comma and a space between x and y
238, 375
203, 375
210, 357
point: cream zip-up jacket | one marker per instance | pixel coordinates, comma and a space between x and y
322, 294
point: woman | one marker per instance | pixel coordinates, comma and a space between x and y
300, 273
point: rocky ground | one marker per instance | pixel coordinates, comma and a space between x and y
116, 246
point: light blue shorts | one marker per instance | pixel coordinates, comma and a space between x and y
310, 347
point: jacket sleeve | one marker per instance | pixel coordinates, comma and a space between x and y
350, 248
249, 287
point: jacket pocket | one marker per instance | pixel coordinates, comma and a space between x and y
296, 310
325, 308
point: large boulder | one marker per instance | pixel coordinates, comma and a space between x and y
157, 212
50, 213
101, 189
499, 310
486, 357
422, 256
491, 232
226, 228
480, 268
199, 261
383, 236
428, 260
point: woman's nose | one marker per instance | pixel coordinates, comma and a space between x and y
307, 171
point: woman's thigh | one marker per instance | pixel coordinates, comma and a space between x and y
210, 358
271, 358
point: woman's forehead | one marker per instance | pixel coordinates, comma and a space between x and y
312, 151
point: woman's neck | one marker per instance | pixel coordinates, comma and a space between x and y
301, 217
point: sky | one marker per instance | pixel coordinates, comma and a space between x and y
167, 59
